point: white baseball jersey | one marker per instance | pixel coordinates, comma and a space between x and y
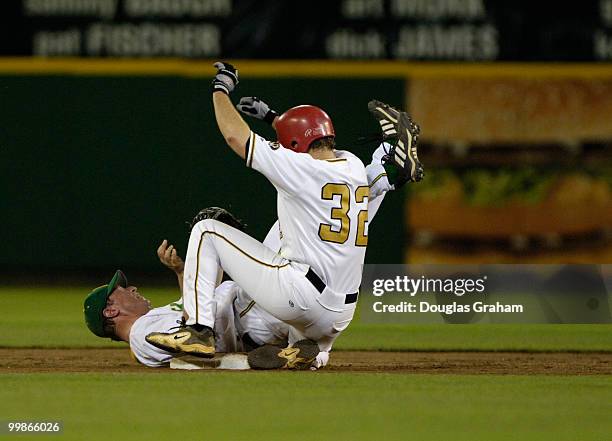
322, 209
263, 327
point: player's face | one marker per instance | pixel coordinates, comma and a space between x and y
129, 301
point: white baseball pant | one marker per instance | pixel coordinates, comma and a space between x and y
278, 285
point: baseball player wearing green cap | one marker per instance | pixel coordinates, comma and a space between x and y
119, 312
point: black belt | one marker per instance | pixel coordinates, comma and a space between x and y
320, 286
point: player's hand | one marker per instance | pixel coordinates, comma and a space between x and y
253, 106
169, 257
320, 362
226, 78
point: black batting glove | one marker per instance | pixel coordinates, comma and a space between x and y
226, 79
253, 106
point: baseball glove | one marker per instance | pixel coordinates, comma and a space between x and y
402, 134
220, 214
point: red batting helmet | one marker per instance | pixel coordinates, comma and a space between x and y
299, 126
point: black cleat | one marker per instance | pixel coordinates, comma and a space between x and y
402, 133
387, 116
299, 356
404, 154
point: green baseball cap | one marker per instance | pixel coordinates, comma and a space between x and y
95, 302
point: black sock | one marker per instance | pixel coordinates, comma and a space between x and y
198, 327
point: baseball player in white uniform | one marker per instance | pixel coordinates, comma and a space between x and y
312, 284
118, 311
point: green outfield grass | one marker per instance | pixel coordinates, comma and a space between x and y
306, 406
171, 405
53, 318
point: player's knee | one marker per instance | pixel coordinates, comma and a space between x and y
205, 225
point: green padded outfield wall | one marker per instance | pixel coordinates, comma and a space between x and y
97, 170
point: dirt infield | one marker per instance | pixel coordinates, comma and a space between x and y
119, 360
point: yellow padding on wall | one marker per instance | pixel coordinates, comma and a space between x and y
310, 69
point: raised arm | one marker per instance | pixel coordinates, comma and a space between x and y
233, 128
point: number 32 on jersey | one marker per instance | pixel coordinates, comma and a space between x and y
326, 232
